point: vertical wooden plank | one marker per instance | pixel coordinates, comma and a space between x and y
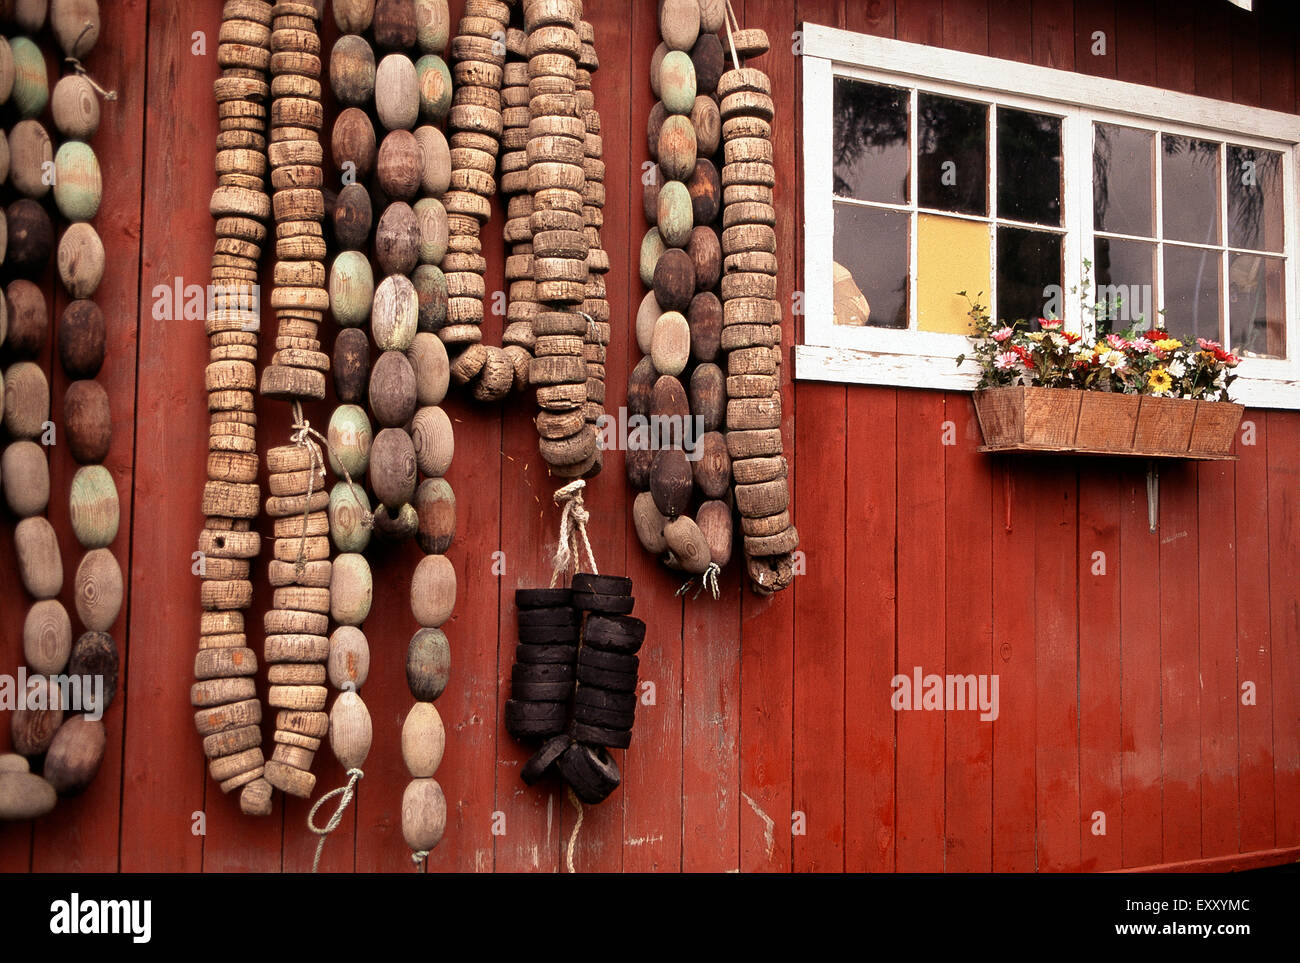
1175, 50
966, 25
1217, 612
919, 23
162, 759
1246, 66
922, 567
872, 16
1135, 41
1100, 569
968, 751
870, 587
1014, 799
1055, 489
600, 847
768, 625
1213, 52
1140, 649
1011, 35
1095, 49
1254, 692
1180, 685
652, 766
1284, 577
1277, 57
1054, 33
820, 632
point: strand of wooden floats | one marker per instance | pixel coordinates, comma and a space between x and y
73, 746
539, 108
744, 326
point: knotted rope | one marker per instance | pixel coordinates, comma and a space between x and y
418, 857
79, 69
303, 433
347, 792
573, 836
573, 531
708, 580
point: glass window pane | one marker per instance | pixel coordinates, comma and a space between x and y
1256, 305
1029, 167
952, 154
1191, 189
872, 157
1123, 188
1192, 293
1124, 283
1029, 274
871, 252
1255, 199
952, 255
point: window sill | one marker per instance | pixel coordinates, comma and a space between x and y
940, 373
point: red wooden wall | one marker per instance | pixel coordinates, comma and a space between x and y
1119, 693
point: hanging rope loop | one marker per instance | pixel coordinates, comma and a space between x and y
573, 532
577, 827
303, 434
346, 792
81, 70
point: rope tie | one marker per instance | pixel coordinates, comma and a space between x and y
418, 857
731, 41
707, 580
577, 826
81, 70
347, 792
303, 433
573, 531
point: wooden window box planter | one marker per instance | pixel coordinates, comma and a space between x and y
1068, 420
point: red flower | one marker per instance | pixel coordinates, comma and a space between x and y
1070, 336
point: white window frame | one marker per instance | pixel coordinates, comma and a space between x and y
866, 355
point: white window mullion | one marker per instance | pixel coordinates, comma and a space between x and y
991, 144
1158, 167
1076, 183
914, 202
1225, 321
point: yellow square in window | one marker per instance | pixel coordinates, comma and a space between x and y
951, 255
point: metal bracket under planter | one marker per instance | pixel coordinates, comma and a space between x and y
1067, 421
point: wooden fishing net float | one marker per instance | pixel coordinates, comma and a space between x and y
711, 302
72, 739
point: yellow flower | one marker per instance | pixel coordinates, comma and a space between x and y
1159, 381
1168, 344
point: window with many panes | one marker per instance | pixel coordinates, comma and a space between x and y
935, 178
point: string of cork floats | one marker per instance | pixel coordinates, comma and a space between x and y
751, 318
682, 470
228, 714
71, 742
389, 427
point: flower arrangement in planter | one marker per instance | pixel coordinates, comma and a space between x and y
1143, 392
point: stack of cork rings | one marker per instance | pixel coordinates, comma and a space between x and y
751, 318
574, 680
228, 714
71, 739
